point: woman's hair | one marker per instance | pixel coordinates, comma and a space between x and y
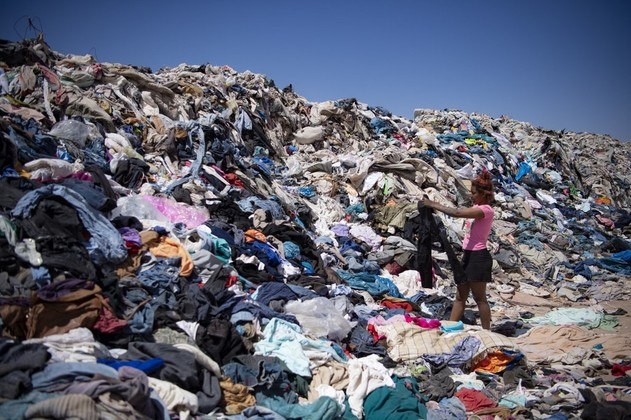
483, 183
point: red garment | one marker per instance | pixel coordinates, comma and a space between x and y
406, 306
371, 329
233, 179
232, 280
393, 268
619, 370
474, 400
605, 221
107, 323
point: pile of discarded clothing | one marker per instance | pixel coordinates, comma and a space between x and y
198, 243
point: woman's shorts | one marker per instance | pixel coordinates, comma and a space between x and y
477, 265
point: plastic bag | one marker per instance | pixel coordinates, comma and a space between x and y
138, 207
71, 130
309, 135
179, 212
320, 318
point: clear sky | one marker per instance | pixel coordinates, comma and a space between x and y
554, 63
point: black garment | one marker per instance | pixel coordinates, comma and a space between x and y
606, 410
513, 375
423, 229
16, 283
194, 303
615, 245
252, 273
318, 284
8, 259
182, 195
270, 291
180, 368
99, 179
93, 196
130, 173
53, 217
477, 265
456, 267
13, 189
424, 247
257, 136
508, 327
220, 340
308, 249
17, 363
229, 212
362, 343
127, 221
439, 306
8, 153
66, 254
437, 386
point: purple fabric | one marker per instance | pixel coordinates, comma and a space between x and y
130, 235
340, 230
55, 290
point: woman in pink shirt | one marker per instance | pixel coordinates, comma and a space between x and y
477, 261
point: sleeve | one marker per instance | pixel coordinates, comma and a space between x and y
487, 210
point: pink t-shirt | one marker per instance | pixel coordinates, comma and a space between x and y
478, 230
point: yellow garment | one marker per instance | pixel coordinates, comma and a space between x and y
168, 248
495, 362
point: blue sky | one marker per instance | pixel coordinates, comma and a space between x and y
554, 63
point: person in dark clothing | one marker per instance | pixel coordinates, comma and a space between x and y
477, 260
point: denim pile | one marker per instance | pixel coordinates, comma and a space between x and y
197, 242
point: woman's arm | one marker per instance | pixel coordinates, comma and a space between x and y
468, 213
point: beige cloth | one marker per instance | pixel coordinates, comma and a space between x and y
334, 374
176, 399
408, 342
551, 343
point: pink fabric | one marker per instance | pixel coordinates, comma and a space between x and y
423, 322
479, 230
178, 212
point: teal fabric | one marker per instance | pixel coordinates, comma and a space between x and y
285, 340
323, 408
398, 403
458, 326
348, 413
221, 249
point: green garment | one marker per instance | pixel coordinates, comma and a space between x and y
395, 215
398, 403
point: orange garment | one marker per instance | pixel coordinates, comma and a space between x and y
252, 234
495, 362
167, 248
603, 200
